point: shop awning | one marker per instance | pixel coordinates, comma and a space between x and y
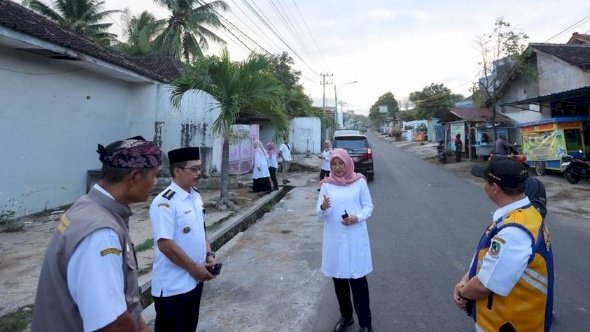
575, 95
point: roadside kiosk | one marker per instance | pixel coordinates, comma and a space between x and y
546, 141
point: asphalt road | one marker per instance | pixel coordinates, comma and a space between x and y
424, 230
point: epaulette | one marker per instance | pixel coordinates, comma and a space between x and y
168, 194
197, 190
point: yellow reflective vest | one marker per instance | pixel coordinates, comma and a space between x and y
529, 305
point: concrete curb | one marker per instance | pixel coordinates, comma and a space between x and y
229, 229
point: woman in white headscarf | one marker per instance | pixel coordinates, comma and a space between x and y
260, 173
345, 205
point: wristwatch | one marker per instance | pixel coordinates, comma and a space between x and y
210, 253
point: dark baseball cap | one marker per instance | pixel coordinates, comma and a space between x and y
506, 172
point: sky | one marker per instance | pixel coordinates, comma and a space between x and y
396, 46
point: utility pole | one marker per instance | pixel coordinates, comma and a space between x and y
323, 83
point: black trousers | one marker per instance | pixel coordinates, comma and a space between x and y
178, 313
273, 177
324, 174
360, 295
261, 185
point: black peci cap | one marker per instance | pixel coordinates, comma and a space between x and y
183, 154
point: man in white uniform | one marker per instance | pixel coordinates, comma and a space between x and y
181, 248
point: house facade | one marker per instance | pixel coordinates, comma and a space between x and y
61, 95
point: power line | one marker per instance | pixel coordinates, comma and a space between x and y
310, 34
258, 13
266, 37
569, 27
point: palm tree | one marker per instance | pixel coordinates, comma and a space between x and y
241, 89
81, 16
187, 34
142, 31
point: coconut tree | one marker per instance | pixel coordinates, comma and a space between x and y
81, 16
240, 89
188, 32
141, 32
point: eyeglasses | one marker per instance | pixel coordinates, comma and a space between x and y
195, 169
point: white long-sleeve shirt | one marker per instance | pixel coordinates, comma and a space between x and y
346, 250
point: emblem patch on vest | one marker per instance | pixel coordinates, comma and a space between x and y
495, 247
108, 251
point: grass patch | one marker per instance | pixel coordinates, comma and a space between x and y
146, 269
16, 321
218, 224
8, 223
145, 245
146, 299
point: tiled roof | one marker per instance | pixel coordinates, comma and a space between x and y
579, 38
23, 20
575, 54
169, 67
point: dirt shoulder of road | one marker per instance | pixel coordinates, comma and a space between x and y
563, 198
21, 252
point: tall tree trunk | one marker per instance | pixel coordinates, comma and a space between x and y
223, 199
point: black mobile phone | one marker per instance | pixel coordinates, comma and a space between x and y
345, 215
215, 270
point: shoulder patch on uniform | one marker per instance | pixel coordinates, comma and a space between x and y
164, 205
496, 246
168, 194
108, 251
63, 223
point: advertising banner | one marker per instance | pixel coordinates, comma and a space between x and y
541, 146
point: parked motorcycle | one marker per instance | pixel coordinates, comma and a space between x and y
575, 169
441, 152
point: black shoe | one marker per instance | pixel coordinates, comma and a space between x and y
342, 324
366, 329
318, 189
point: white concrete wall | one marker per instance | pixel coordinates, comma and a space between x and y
52, 116
521, 88
556, 75
305, 135
153, 115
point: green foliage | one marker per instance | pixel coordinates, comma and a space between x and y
141, 32
188, 32
503, 53
293, 97
387, 99
16, 321
409, 115
434, 101
8, 223
241, 89
145, 245
81, 16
